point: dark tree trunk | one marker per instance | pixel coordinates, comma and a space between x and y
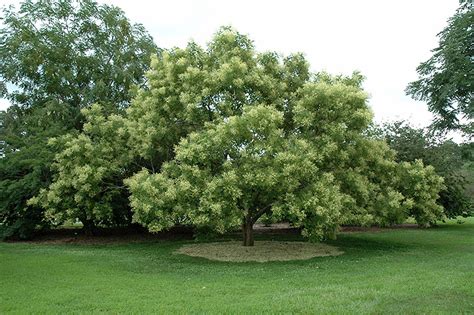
88, 227
247, 230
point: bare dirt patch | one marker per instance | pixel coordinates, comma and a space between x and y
263, 251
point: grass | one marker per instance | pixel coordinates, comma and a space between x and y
397, 271
263, 251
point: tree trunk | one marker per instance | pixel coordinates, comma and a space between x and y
247, 230
88, 227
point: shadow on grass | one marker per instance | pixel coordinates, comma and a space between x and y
352, 243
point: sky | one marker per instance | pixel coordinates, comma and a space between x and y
385, 40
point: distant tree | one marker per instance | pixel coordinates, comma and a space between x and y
232, 135
467, 171
447, 157
446, 79
57, 57
88, 173
25, 167
73, 52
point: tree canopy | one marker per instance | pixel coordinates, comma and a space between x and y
56, 58
72, 52
450, 160
237, 134
445, 79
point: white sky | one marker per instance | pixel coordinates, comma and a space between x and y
385, 40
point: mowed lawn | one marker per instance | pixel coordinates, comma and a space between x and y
396, 271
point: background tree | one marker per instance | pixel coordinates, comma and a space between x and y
445, 80
88, 174
25, 166
449, 159
57, 57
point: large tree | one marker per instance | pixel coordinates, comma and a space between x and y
232, 135
57, 57
446, 79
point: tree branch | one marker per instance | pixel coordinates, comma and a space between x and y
260, 213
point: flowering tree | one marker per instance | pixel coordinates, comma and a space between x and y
236, 134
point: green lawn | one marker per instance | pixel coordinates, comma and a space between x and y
397, 271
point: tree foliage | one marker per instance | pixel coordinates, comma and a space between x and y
239, 170
89, 170
445, 80
73, 52
25, 164
236, 134
56, 58
447, 157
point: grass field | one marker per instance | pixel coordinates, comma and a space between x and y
396, 271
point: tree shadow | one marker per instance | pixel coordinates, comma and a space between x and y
359, 242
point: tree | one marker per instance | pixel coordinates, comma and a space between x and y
89, 170
73, 52
56, 58
445, 80
25, 166
232, 135
447, 157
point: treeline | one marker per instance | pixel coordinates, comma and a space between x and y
107, 129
